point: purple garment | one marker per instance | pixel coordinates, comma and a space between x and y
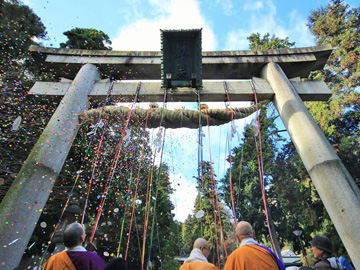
86, 260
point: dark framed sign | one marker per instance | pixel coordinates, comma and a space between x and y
181, 63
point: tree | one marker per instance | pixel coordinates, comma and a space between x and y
245, 174
338, 25
86, 38
117, 211
205, 226
19, 27
266, 43
294, 202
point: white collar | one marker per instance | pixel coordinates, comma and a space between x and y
76, 248
196, 256
248, 241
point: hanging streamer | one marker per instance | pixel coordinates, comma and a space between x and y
113, 165
200, 156
155, 204
233, 129
126, 207
95, 164
158, 180
214, 192
99, 124
261, 168
146, 218
137, 183
78, 175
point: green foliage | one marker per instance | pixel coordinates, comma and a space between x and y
169, 263
338, 25
86, 38
19, 26
266, 43
346, 140
245, 174
294, 200
204, 227
114, 225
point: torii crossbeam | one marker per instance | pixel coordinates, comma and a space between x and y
274, 74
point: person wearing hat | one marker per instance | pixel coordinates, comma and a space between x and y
322, 248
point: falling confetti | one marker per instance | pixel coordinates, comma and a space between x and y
13, 242
16, 124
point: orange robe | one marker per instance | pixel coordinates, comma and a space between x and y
251, 257
59, 261
198, 266
75, 260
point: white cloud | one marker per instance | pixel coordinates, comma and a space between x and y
263, 18
132, 10
227, 7
299, 30
184, 196
144, 33
237, 40
259, 4
251, 6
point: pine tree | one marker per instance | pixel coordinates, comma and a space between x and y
245, 174
204, 226
339, 25
86, 38
266, 43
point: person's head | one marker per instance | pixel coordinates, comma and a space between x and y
116, 264
321, 247
203, 245
74, 235
244, 230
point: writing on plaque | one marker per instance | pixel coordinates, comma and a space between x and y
181, 58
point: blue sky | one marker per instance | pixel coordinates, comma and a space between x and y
135, 25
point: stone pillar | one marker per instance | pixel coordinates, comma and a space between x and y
336, 188
22, 206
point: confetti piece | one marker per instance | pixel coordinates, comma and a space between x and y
16, 124
14, 241
31, 246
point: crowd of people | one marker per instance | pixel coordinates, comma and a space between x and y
250, 255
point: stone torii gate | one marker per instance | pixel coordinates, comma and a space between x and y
275, 74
